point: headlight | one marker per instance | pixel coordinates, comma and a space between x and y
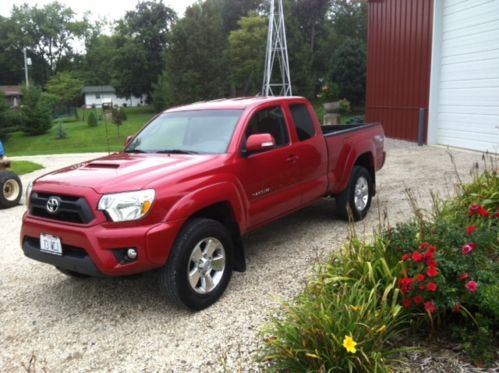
127, 206
29, 188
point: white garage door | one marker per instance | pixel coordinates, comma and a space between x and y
464, 109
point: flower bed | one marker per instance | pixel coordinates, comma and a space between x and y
436, 273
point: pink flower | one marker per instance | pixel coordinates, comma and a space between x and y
468, 248
470, 230
464, 276
473, 210
472, 286
430, 307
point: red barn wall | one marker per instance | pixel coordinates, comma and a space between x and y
398, 64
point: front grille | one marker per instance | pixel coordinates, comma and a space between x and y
71, 209
67, 250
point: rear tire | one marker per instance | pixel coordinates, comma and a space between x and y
11, 189
200, 264
355, 200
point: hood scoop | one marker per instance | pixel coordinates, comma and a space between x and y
102, 165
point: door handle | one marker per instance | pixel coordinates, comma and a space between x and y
292, 159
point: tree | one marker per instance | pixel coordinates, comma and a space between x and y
48, 31
162, 95
37, 112
196, 56
348, 69
144, 32
246, 54
97, 65
65, 87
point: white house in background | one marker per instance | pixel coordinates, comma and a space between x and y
97, 95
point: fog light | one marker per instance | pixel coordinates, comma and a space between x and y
131, 254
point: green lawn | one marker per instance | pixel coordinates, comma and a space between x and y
80, 137
24, 167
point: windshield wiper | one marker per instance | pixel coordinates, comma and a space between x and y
176, 151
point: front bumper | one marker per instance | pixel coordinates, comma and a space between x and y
92, 250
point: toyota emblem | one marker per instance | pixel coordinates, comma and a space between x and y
53, 205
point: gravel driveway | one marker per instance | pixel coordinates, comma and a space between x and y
54, 323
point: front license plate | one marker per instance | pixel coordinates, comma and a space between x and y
50, 244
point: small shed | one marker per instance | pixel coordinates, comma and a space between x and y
13, 93
96, 96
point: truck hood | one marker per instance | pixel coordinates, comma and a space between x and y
126, 172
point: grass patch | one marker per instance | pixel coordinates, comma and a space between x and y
80, 138
25, 167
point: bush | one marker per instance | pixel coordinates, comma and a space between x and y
442, 269
37, 112
92, 119
344, 106
61, 132
118, 116
450, 265
162, 94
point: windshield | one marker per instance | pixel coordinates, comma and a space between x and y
188, 132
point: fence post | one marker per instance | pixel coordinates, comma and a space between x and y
421, 126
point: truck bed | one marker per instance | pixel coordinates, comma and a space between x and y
332, 130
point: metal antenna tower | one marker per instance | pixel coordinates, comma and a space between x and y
277, 46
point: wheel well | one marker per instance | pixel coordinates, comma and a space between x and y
222, 212
366, 160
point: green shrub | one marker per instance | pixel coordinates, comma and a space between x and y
118, 116
450, 265
92, 119
61, 132
37, 112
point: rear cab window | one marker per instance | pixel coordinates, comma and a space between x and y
302, 120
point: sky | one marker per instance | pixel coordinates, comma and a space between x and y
111, 10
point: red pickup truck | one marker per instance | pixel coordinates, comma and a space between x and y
186, 188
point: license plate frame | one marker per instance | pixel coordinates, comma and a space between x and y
50, 244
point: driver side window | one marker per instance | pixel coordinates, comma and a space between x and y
270, 121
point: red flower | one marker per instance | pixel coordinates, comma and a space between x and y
406, 284
407, 303
432, 286
464, 276
430, 307
429, 255
424, 245
420, 277
431, 263
470, 230
472, 286
497, 214
432, 271
457, 308
473, 210
432, 249
417, 256
418, 299
482, 211
468, 248
406, 257
422, 287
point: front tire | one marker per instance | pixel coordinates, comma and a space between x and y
11, 189
200, 264
355, 200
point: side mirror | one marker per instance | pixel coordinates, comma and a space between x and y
128, 140
259, 142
